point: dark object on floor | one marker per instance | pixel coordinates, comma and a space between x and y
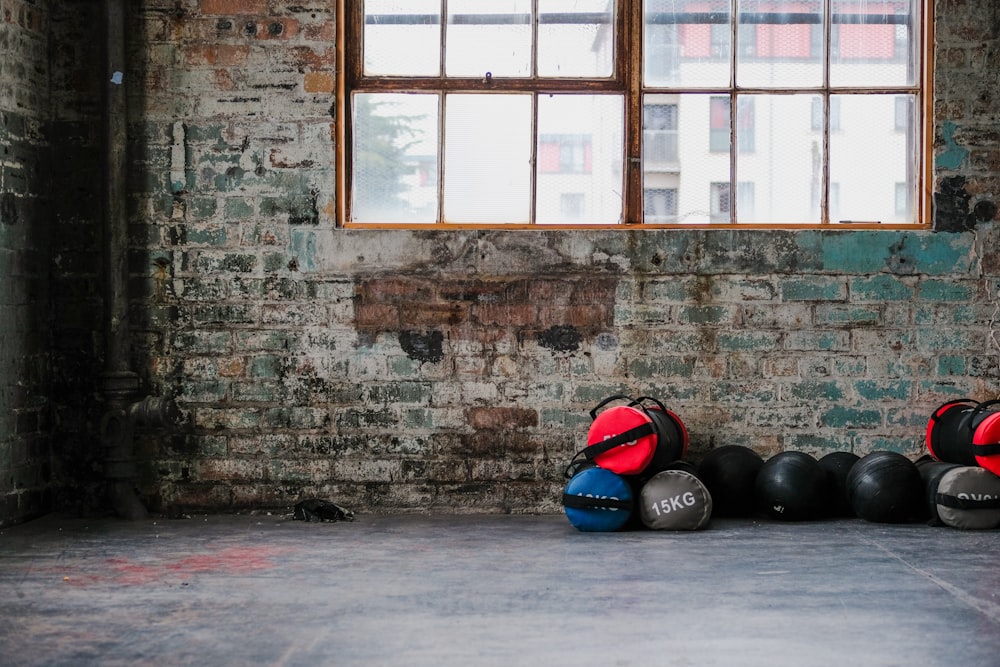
730, 472
885, 487
838, 465
314, 509
790, 487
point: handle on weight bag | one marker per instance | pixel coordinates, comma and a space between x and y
967, 419
954, 502
639, 401
586, 502
632, 403
936, 415
591, 452
616, 397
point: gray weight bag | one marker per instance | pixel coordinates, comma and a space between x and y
969, 497
674, 500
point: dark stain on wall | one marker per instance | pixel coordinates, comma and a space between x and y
8, 209
422, 346
951, 207
560, 338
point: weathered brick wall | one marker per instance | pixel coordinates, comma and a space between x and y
967, 110
454, 371
25, 463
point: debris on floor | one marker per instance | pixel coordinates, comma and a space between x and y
315, 509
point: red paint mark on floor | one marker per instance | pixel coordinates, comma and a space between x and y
135, 572
234, 560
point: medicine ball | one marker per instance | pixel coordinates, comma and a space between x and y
729, 473
597, 500
931, 472
790, 486
837, 465
675, 500
885, 487
969, 497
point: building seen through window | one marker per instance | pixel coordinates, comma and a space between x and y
500, 112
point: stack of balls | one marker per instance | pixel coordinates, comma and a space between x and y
633, 474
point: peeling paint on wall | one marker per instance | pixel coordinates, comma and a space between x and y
954, 155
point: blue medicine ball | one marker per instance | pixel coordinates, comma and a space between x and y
597, 500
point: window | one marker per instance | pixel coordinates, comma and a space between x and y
659, 133
564, 154
721, 203
660, 205
527, 112
720, 118
718, 125
571, 205
816, 124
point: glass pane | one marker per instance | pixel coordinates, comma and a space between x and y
777, 46
575, 38
402, 37
395, 157
685, 168
488, 36
579, 158
873, 43
687, 43
881, 186
487, 158
780, 179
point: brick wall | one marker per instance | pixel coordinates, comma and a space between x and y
25, 462
454, 371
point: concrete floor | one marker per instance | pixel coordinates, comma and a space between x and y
495, 590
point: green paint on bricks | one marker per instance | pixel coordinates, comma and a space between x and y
953, 155
845, 417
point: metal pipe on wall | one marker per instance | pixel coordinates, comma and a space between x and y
119, 383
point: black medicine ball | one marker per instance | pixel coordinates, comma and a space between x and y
837, 465
791, 487
886, 487
729, 473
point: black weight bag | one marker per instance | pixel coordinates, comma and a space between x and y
675, 500
931, 471
969, 497
966, 432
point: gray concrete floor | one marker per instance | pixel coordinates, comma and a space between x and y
495, 590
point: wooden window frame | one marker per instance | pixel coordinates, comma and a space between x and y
627, 81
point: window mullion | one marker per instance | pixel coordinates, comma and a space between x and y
824, 192
533, 187
630, 52
442, 111
443, 53
733, 59
442, 142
